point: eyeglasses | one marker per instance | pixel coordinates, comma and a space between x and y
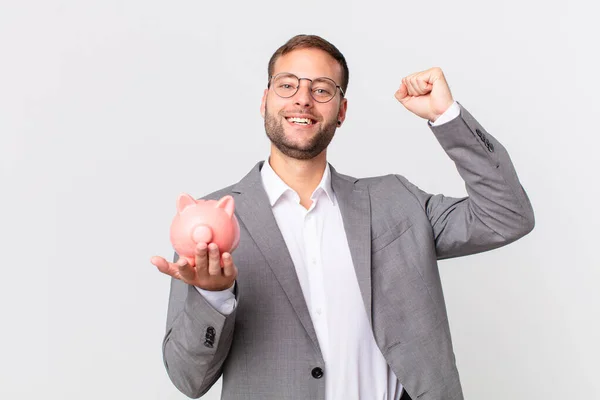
286, 85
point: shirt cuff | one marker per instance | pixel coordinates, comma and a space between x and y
221, 300
452, 112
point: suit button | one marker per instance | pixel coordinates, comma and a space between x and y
481, 135
208, 343
317, 373
210, 330
491, 148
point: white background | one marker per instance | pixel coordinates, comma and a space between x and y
109, 109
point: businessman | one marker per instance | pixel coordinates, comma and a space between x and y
334, 290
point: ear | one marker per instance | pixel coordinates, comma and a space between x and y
263, 103
342, 111
227, 204
183, 201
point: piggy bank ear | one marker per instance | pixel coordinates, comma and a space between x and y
183, 201
227, 204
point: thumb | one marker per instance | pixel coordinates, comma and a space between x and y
402, 93
160, 263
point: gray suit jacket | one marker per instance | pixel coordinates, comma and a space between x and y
267, 348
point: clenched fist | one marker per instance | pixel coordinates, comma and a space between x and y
425, 93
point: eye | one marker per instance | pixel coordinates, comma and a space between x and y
323, 88
322, 91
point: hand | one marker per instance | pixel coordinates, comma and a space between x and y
211, 272
425, 93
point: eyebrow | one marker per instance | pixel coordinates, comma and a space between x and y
312, 79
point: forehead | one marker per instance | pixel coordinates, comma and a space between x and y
309, 63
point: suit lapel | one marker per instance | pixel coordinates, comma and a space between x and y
355, 208
254, 210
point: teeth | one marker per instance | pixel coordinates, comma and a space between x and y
305, 121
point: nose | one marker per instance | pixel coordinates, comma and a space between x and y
303, 98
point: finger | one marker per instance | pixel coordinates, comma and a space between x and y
402, 93
423, 85
229, 269
160, 263
187, 272
414, 89
164, 266
432, 75
409, 91
202, 259
214, 261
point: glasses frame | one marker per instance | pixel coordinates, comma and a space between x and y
272, 77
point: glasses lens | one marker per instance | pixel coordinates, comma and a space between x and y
285, 85
323, 89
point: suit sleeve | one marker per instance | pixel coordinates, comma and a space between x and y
496, 212
197, 339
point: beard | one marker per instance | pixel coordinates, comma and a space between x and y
300, 151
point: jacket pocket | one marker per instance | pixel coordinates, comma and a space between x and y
389, 236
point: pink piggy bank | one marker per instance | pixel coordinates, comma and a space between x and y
204, 221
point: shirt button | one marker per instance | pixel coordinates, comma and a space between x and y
318, 311
317, 373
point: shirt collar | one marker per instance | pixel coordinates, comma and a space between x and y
275, 187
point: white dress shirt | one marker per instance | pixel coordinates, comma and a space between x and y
354, 366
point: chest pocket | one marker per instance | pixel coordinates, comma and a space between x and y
389, 236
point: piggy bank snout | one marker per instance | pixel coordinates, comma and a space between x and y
202, 234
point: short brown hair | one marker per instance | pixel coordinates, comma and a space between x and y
312, 42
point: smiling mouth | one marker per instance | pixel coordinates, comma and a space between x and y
300, 121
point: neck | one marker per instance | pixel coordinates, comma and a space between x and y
303, 176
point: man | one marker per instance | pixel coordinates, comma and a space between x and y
335, 291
